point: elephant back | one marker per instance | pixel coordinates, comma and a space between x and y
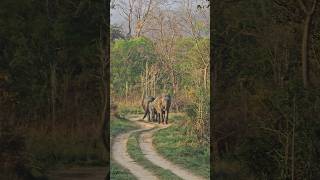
157, 104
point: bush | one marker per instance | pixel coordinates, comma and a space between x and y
16, 163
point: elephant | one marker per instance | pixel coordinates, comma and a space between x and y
152, 111
145, 105
162, 106
166, 103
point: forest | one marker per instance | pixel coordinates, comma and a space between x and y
168, 54
54, 81
255, 102
265, 89
51, 85
160, 48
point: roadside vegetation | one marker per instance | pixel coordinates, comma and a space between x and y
137, 155
178, 144
117, 172
120, 125
51, 87
266, 90
161, 50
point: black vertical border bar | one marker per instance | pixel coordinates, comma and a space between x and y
212, 87
106, 121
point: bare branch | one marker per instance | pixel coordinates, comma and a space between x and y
303, 6
313, 7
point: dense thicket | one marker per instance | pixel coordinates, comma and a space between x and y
50, 55
137, 70
50, 68
266, 89
165, 50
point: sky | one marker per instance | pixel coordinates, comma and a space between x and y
116, 18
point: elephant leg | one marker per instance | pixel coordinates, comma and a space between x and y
167, 116
162, 117
149, 116
152, 117
159, 118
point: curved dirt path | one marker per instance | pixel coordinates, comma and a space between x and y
121, 156
151, 154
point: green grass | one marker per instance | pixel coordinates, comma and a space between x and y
127, 109
180, 147
136, 153
121, 125
117, 172
118, 126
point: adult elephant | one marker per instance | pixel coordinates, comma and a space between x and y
145, 103
162, 106
166, 103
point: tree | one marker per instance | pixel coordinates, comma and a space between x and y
309, 12
128, 59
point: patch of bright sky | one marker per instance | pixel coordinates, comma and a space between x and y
172, 5
117, 19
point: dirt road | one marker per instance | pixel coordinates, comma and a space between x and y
151, 154
121, 156
120, 153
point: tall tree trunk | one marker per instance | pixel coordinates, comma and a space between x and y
205, 75
305, 37
53, 93
105, 79
146, 80
65, 93
174, 89
293, 138
142, 89
304, 51
154, 85
126, 92
129, 29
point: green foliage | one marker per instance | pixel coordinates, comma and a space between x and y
128, 61
34, 37
127, 109
182, 147
117, 172
193, 66
137, 155
118, 126
263, 117
16, 161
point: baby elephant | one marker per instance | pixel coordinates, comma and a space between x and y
153, 112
